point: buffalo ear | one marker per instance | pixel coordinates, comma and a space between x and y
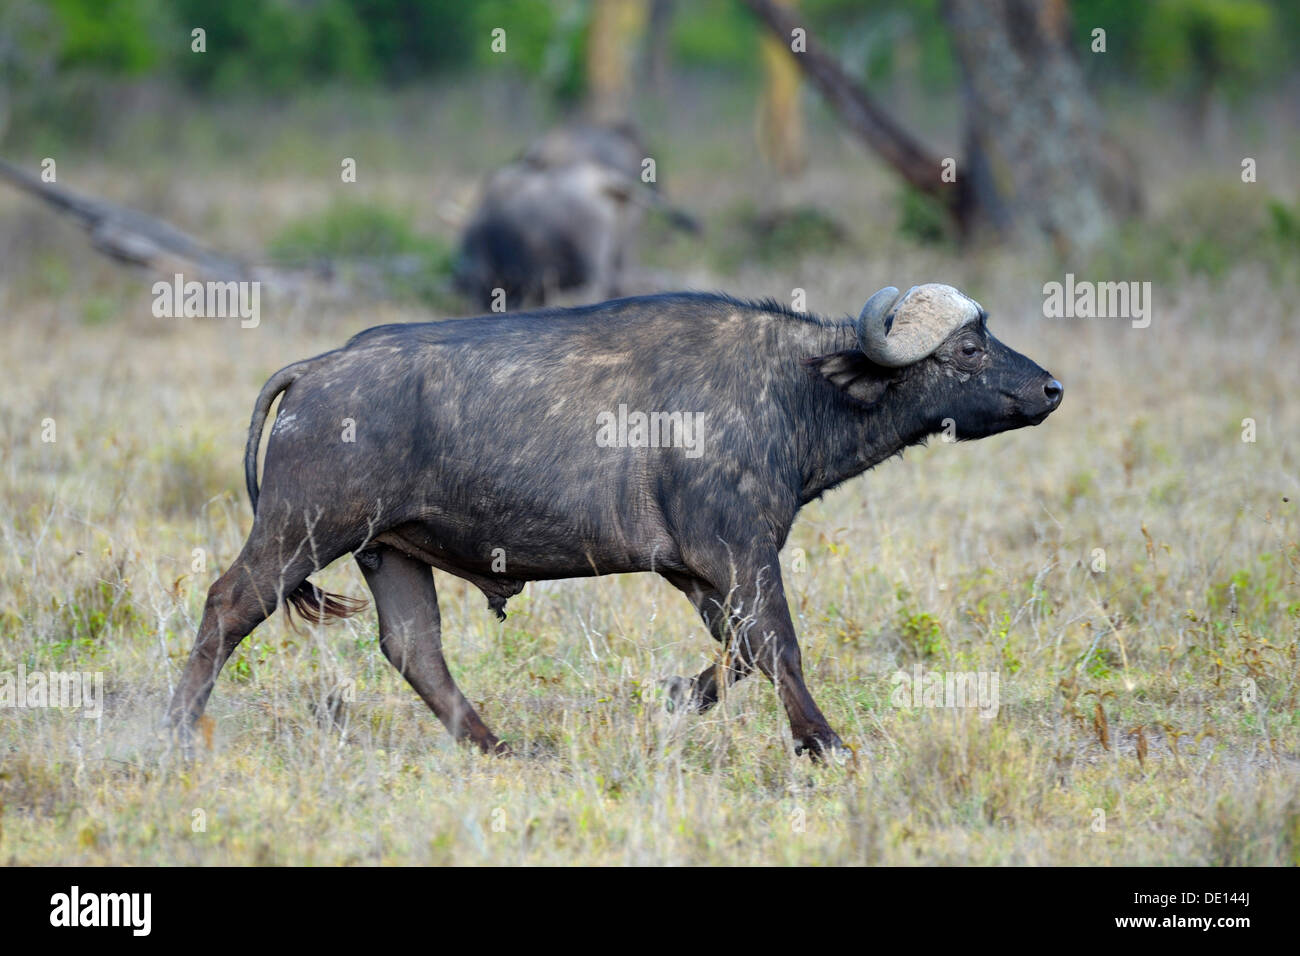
854, 373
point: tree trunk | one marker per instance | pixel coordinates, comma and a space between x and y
1036, 157
780, 119
1036, 154
614, 29
868, 120
658, 40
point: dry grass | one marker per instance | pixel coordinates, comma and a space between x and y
1121, 690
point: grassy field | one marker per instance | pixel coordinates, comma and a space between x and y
1129, 569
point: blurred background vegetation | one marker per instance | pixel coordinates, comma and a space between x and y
1184, 90
60, 60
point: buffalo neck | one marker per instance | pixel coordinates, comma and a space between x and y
837, 437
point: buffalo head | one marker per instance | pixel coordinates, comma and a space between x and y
935, 351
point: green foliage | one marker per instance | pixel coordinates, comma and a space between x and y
407, 265
545, 41
785, 235
922, 218
1284, 222
1103, 664
98, 309
565, 69
271, 46
53, 275
716, 33
1010, 662
96, 607
1252, 594
409, 38
1208, 233
346, 230
530, 29
117, 36
1126, 23
281, 45
921, 633
1209, 42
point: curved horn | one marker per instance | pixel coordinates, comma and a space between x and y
871, 324
921, 319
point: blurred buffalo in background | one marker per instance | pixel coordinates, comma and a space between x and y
561, 219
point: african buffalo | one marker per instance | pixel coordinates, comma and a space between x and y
560, 220
676, 433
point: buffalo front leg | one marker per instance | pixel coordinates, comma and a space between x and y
702, 691
759, 633
410, 635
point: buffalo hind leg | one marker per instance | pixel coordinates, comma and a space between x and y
410, 635
242, 598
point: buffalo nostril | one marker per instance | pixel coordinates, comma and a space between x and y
1053, 391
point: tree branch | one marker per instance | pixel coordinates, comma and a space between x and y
864, 116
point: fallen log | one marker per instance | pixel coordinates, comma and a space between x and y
127, 235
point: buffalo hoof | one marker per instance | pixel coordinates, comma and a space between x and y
825, 746
493, 747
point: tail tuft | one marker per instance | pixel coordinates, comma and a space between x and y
315, 606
